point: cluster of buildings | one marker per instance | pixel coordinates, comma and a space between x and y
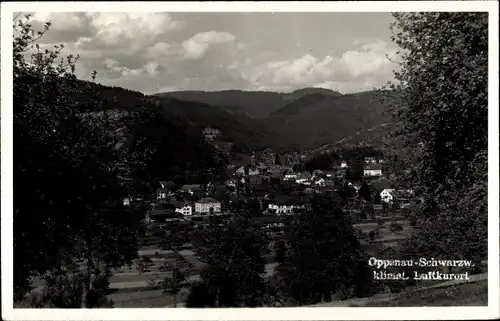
259, 181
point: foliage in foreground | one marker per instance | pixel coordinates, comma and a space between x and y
67, 198
235, 265
323, 256
442, 121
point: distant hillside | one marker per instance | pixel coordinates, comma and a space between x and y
168, 127
301, 103
255, 104
305, 118
297, 94
315, 119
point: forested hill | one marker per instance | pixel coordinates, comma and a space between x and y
174, 144
305, 118
254, 104
316, 119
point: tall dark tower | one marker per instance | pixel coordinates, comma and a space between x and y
252, 159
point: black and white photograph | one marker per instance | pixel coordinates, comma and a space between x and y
202, 158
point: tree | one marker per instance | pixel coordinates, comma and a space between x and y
253, 207
323, 253
299, 167
364, 192
277, 159
348, 191
280, 248
355, 172
377, 199
441, 112
66, 187
234, 258
321, 162
173, 284
396, 227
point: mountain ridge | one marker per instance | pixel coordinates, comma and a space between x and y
303, 118
253, 103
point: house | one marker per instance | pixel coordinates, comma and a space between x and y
241, 171
269, 221
329, 174
224, 147
232, 182
302, 177
255, 180
281, 205
277, 172
207, 205
380, 184
210, 133
317, 172
388, 195
285, 205
192, 189
186, 210
165, 190
267, 156
162, 214
183, 208
290, 176
309, 191
215, 185
318, 181
329, 183
307, 182
372, 170
261, 167
252, 171
370, 160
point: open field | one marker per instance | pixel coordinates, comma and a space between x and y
131, 288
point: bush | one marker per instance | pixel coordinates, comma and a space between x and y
396, 227
413, 220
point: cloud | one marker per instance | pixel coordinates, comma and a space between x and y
362, 68
129, 30
197, 46
66, 26
151, 52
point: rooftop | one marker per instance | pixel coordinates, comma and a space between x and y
207, 200
191, 186
373, 167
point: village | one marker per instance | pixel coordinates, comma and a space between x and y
272, 188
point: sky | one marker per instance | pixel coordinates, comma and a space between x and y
159, 52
